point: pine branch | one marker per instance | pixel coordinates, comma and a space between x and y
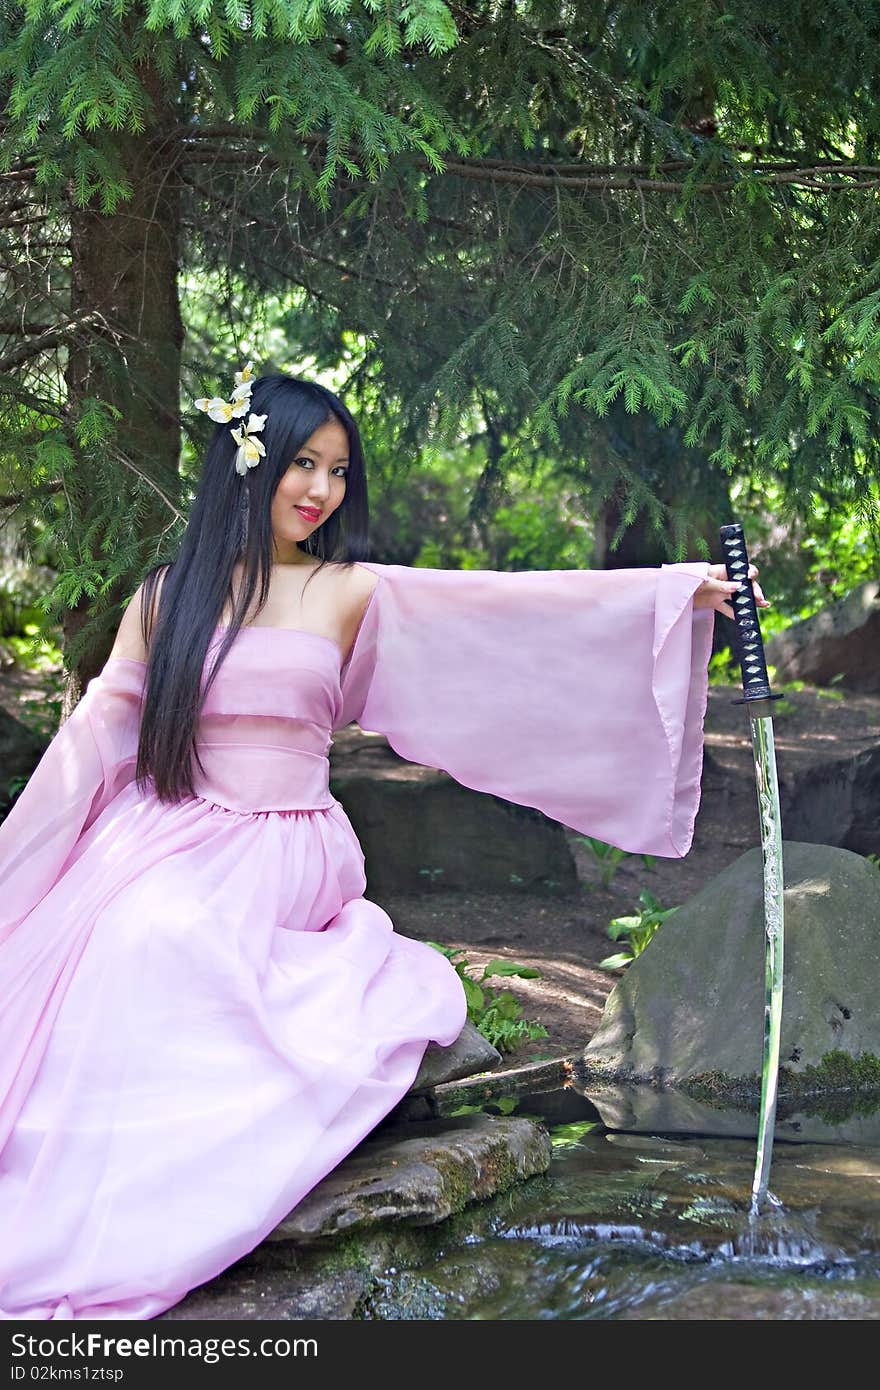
18, 499
587, 175
52, 337
348, 271
15, 328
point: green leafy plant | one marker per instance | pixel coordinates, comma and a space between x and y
609, 857
496, 1013
638, 930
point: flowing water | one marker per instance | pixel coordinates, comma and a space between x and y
656, 1225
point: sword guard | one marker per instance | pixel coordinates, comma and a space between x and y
756, 695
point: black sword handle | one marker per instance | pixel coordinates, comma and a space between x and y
753, 664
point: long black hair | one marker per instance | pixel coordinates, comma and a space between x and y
230, 523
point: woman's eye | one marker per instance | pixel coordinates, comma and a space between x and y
340, 472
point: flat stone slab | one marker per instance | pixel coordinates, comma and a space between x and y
534, 1078
589, 1240
419, 1175
257, 1289
479, 1088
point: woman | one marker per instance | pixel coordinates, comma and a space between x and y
200, 1012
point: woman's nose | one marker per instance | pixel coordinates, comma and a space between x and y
319, 488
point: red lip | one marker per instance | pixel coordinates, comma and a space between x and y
309, 512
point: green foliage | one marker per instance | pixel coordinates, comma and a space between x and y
42, 716
811, 559
89, 532
21, 589
608, 857
440, 518
532, 535
75, 75
723, 668
24, 642
617, 264
639, 930
496, 1013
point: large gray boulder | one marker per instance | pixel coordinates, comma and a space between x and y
691, 1006
836, 803
841, 640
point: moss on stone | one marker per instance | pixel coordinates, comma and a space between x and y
834, 1107
839, 1071
463, 1185
724, 1092
502, 1169
840, 1085
458, 1182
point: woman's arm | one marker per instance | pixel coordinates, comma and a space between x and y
578, 692
91, 758
129, 637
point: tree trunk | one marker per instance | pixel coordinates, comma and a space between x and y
125, 266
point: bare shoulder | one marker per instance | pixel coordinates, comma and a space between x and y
357, 585
362, 581
129, 637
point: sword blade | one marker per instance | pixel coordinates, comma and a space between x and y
758, 698
774, 937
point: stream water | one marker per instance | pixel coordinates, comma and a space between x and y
641, 1225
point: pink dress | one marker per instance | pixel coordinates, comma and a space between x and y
200, 1012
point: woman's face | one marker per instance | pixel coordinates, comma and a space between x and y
315, 480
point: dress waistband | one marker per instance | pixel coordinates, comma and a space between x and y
245, 777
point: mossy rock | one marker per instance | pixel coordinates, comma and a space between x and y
690, 1008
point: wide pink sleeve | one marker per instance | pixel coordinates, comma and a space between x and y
579, 692
90, 759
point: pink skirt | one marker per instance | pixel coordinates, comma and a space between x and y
217, 1017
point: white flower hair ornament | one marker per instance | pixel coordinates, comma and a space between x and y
250, 449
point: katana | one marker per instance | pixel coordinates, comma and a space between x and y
758, 700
